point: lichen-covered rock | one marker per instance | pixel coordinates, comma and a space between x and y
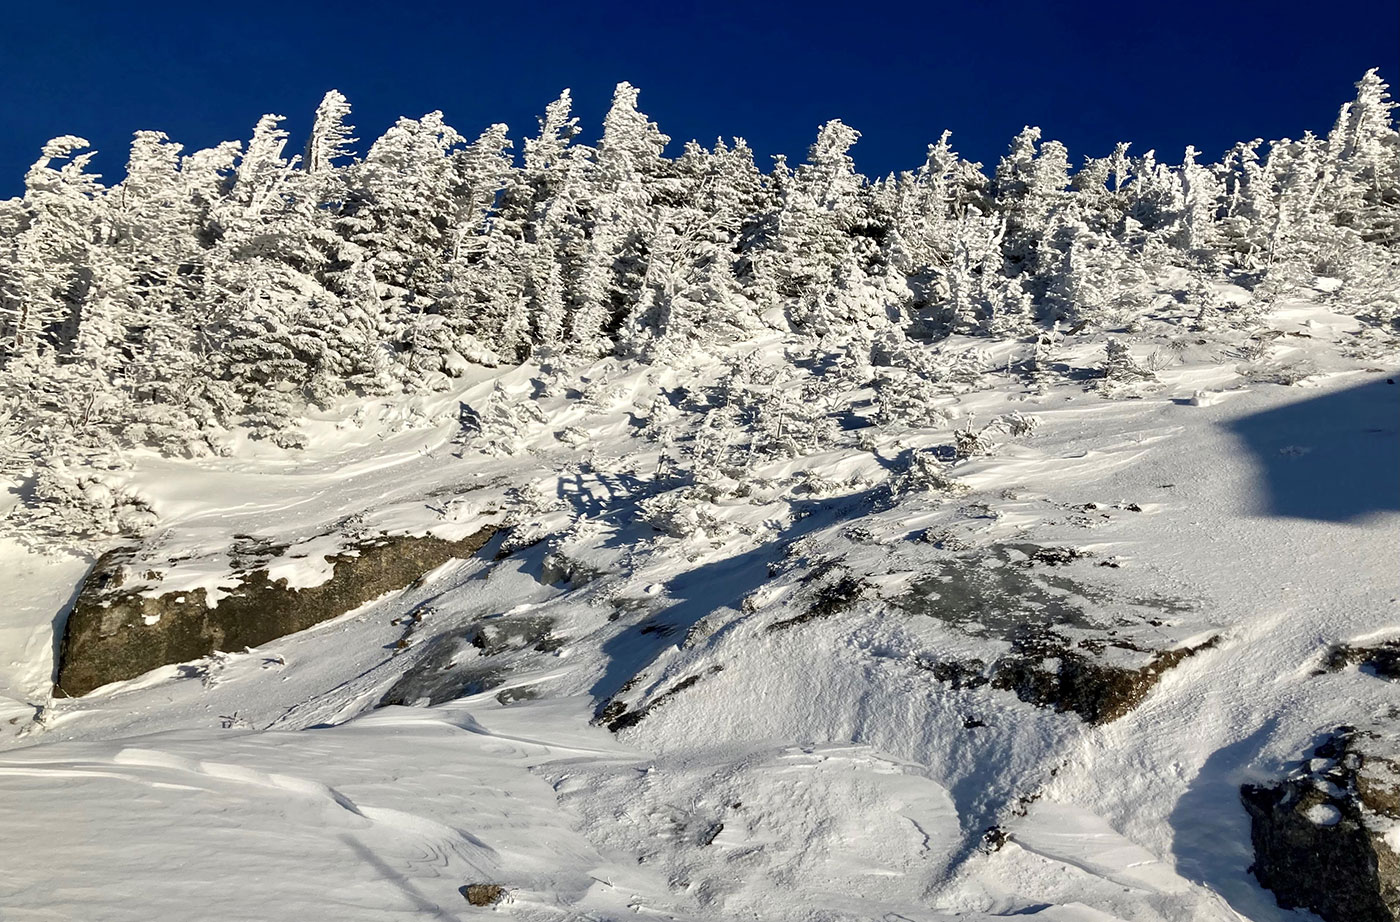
116, 632
1325, 836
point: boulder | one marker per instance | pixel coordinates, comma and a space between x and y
116, 632
483, 894
1325, 836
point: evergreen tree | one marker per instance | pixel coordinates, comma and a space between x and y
1364, 152
47, 276
330, 138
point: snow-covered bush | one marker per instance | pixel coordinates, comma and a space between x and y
927, 472
1120, 367
80, 502
969, 440
687, 512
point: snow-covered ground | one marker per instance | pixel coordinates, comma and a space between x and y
783, 745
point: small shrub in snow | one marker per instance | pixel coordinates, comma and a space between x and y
969, 441
906, 399
503, 422
1285, 373
81, 503
686, 512
927, 473
1120, 367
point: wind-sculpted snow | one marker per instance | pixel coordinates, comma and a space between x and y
385, 818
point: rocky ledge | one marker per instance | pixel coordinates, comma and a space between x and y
1327, 837
119, 629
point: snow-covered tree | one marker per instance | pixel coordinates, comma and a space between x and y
330, 138
240, 286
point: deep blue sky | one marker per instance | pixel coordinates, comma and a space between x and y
1160, 75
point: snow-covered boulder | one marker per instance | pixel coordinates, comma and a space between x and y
121, 627
1327, 837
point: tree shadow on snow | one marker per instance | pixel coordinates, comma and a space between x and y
720, 584
1334, 458
424, 905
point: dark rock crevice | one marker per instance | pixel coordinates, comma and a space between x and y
1381, 660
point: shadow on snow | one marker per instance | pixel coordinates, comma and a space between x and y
1335, 457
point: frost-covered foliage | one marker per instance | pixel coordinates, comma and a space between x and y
240, 286
82, 502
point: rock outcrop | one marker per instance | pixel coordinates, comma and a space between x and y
1381, 660
1050, 673
116, 632
1054, 640
1325, 836
471, 660
483, 894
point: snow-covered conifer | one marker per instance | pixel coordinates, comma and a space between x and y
330, 138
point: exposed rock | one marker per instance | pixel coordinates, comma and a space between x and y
117, 633
1050, 556
463, 662
970, 673
993, 840
1068, 680
483, 894
503, 635
1382, 659
1003, 589
1324, 837
560, 569
615, 715
835, 597
518, 693
1065, 644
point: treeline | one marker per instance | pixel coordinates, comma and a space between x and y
237, 285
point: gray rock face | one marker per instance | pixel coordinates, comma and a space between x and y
1072, 646
471, 660
116, 633
1320, 835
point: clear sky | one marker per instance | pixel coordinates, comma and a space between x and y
1159, 75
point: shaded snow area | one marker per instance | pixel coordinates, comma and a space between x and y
752, 639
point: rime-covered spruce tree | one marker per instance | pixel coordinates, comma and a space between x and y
239, 287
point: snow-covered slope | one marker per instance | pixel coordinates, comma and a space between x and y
950, 670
